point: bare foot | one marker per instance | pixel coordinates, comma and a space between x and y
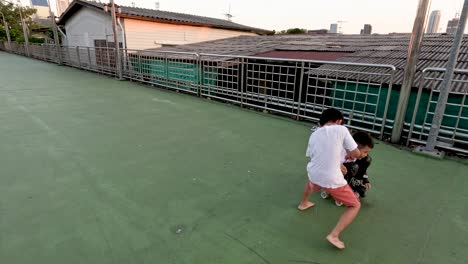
335, 241
305, 206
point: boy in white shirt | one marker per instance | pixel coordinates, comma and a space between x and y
325, 151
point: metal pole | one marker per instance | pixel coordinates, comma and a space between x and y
200, 83
301, 79
446, 83
116, 40
410, 69
89, 58
7, 31
242, 82
56, 37
25, 33
78, 57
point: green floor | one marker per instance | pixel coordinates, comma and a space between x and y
95, 170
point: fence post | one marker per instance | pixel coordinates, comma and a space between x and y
446, 83
78, 56
410, 69
416, 106
58, 50
44, 54
68, 55
242, 82
109, 65
387, 102
301, 80
124, 61
166, 67
200, 82
89, 58
140, 70
99, 59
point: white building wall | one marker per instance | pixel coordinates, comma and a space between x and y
147, 35
88, 25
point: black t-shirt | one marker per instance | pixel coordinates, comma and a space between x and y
357, 174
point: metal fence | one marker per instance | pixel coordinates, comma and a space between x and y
17, 48
44, 52
172, 70
453, 134
300, 89
101, 60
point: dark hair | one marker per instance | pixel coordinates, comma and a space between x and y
363, 139
330, 114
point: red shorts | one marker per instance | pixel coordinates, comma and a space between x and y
342, 194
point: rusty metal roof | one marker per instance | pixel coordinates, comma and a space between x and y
375, 49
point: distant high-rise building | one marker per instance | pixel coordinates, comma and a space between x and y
62, 5
42, 8
452, 25
367, 30
334, 28
433, 24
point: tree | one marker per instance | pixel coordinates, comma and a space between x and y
293, 31
296, 31
12, 16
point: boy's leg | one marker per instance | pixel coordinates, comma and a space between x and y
345, 195
308, 190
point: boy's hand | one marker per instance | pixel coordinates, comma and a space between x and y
368, 186
343, 169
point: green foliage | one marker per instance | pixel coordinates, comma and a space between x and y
293, 31
36, 40
296, 31
12, 17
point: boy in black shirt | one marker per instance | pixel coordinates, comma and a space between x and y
356, 171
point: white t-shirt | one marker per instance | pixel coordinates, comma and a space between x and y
325, 151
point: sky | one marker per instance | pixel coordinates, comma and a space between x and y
385, 16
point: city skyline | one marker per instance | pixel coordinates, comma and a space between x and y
319, 14
316, 14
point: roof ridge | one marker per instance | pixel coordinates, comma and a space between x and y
175, 17
171, 12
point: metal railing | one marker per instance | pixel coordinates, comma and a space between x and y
18, 48
300, 89
454, 130
172, 70
43, 52
99, 59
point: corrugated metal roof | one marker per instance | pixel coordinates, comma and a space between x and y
376, 49
162, 16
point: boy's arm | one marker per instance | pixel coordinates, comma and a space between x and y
343, 168
354, 154
349, 144
365, 177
